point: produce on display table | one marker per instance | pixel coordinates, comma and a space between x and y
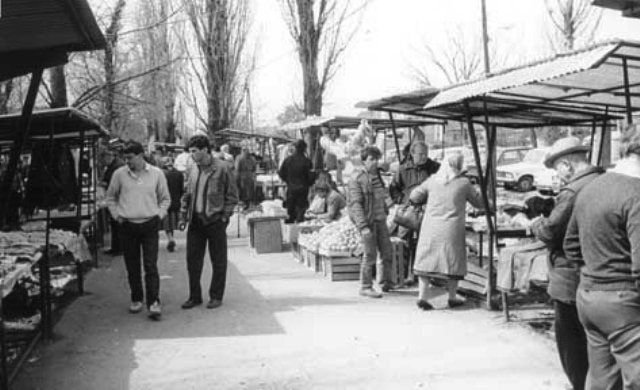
336, 238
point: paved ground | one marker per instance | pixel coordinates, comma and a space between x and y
282, 327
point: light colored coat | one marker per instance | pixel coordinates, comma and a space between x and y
441, 245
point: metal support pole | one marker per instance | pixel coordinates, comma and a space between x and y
45, 272
22, 135
602, 138
593, 134
485, 200
627, 92
395, 137
3, 342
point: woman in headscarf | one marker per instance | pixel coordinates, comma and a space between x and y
441, 251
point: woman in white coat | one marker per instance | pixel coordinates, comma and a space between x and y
441, 251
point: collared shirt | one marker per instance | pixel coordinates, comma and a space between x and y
138, 196
203, 176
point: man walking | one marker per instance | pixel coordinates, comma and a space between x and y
569, 159
368, 210
175, 182
604, 235
207, 206
138, 199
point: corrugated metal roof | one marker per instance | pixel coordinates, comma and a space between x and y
406, 103
350, 122
630, 8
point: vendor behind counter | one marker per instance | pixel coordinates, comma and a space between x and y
328, 203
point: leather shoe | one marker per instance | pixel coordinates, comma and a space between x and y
455, 303
191, 304
214, 303
424, 305
369, 292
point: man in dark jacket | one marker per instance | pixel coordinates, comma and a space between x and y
175, 182
296, 171
207, 207
568, 158
412, 173
604, 236
113, 163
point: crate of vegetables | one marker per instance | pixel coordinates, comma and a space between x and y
341, 268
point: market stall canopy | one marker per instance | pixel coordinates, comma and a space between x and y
65, 123
262, 133
39, 34
569, 88
629, 8
411, 103
351, 122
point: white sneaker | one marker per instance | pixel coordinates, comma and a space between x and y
155, 310
135, 307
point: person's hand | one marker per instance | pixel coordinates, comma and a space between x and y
366, 232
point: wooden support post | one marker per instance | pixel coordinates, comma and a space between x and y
485, 200
395, 137
627, 92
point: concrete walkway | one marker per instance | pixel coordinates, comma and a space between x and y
282, 327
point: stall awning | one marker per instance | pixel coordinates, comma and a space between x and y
629, 8
411, 103
65, 123
40, 33
351, 122
569, 88
262, 133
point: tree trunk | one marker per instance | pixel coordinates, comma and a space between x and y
534, 138
58, 82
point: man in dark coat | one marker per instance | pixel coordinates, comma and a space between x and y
568, 158
296, 171
113, 163
175, 182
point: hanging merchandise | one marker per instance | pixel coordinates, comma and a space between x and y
52, 184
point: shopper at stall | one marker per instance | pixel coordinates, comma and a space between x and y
207, 206
413, 172
296, 172
331, 202
441, 251
175, 182
246, 175
368, 210
112, 162
138, 198
568, 157
604, 236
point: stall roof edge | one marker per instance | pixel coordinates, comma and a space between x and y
346, 122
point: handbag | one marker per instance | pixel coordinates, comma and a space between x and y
409, 216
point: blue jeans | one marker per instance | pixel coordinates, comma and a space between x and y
378, 240
611, 320
198, 235
134, 238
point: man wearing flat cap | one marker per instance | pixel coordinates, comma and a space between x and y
568, 157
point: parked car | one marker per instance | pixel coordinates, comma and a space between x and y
522, 175
504, 156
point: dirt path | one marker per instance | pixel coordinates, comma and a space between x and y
282, 327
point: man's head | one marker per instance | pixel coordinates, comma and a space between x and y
370, 155
225, 148
300, 146
134, 155
419, 152
567, 156
166, 162
199, 147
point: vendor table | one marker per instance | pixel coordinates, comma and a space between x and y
265, 233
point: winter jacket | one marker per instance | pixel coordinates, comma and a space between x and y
360, 199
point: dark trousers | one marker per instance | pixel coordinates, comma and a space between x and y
115, 234
136, 237
198, 235
611, 320
572, 343
297, 204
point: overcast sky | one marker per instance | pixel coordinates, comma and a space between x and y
389, 40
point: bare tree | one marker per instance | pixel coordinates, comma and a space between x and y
459, 59
320, 41
222, 69
573, 22
110, 51
57, 87
158, 89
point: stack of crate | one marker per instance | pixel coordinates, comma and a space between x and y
339, 266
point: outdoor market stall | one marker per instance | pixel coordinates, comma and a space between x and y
36, 34
594, 85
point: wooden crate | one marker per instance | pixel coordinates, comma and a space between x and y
295, 250
341, 268
266, 234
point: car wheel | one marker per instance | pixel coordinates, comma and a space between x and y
525, 183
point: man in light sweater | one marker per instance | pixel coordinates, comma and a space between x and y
604, 236
138, 199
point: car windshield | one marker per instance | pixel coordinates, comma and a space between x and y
534, 156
